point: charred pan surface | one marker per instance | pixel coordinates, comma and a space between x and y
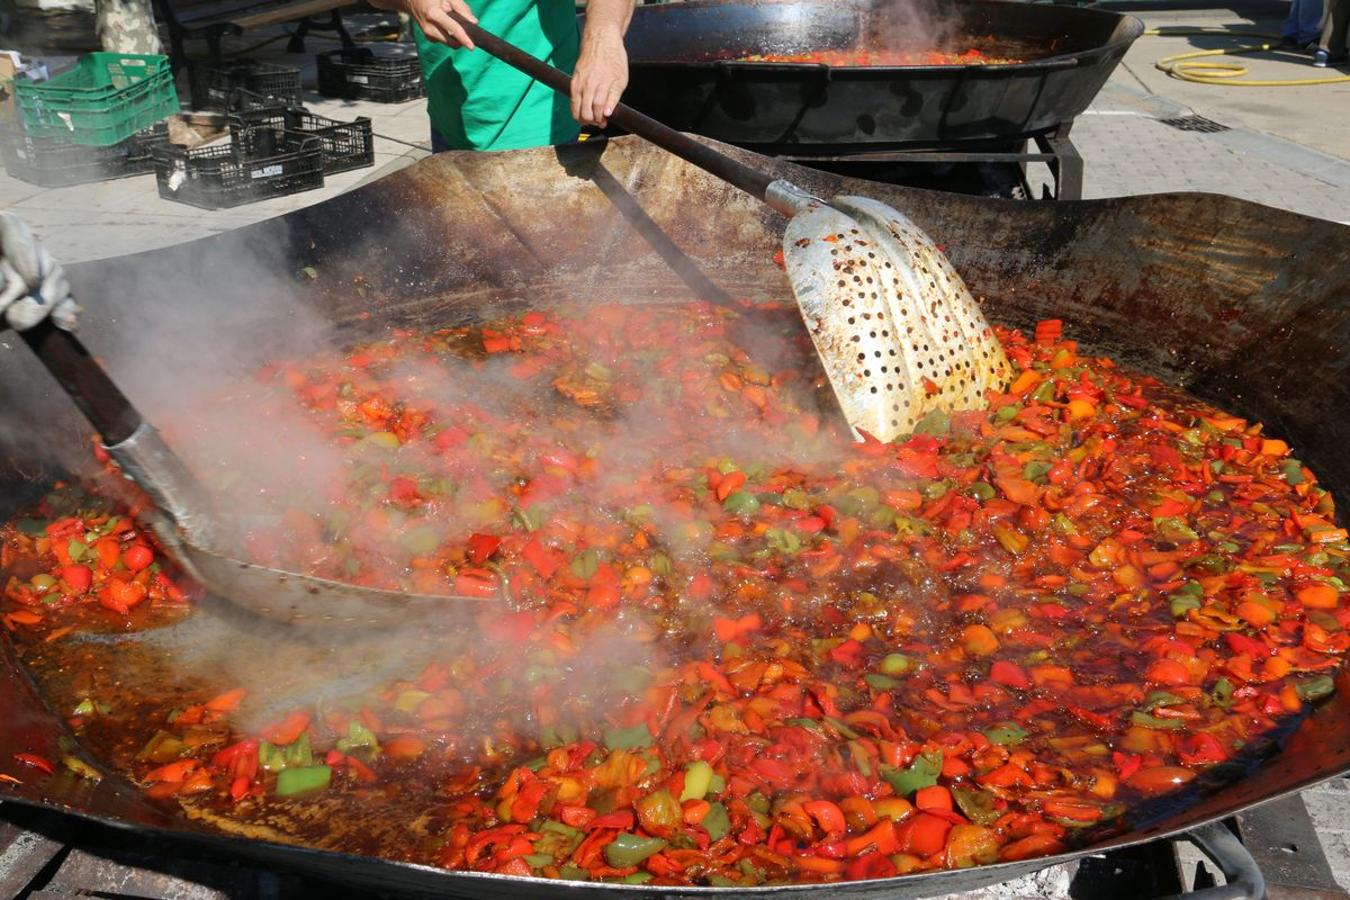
1245, 306
687, 70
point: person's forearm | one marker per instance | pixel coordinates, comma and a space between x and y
607, 19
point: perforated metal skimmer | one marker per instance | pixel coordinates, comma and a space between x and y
897, 330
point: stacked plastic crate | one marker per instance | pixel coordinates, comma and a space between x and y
105, 119
100, 120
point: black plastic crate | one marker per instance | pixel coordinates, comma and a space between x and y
359, 73
55, 162
218, 177
346, 145
218, 85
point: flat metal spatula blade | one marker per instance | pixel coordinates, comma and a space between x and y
897, 331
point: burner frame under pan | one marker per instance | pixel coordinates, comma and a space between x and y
1052, 148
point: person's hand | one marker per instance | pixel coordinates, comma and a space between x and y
435, 21
600, 76
33, 286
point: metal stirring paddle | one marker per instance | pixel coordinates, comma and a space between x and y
896, 329
185, 524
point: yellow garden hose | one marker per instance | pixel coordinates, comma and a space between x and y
1185, 67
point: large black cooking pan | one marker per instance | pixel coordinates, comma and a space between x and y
1246, 306
684, 70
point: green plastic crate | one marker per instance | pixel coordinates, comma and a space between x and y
105, 99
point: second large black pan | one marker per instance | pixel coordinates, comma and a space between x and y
685, 70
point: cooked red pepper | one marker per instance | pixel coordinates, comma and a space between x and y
732, 642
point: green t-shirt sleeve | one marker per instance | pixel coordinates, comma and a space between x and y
477, 102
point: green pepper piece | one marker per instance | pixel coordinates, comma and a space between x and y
1006, 733
533, 518
408, 701
717, 823
1223, 692
628, 738
894, 664
880, 682
641, 513
1315, 688
1036, 470
270, 757
303, 780
78, 550
298, 754
585, 563
982, 491
1156, 699
741, 503
572, 872
860, 758
557, 840
1183, 603
716, 785
628, 850
162, 748
1145, 720
922, 772
882, 517
697, 776
359, 737
1064, 525
936, 422
842, 727
785, 542
977, 805
1292, 470
934, 490
1174, 529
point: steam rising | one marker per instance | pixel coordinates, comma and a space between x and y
910, 26
193, 370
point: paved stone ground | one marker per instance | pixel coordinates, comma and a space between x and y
1329, 806
1316, 116
112, 218
1287, 147
1128, 148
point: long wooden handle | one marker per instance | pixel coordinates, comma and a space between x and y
101, 401
752, 181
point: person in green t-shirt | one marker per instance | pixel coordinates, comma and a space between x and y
477, 102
